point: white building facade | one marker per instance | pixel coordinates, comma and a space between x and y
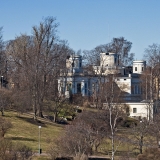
78, 81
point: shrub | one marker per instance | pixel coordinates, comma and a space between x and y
129, 122
150, 154
5, 125
21, 151
5, 148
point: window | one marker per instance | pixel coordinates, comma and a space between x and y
134, 110
135, 68
142, 68
80, 64
124, 79
135, 89
127, 110
132, 89
78, 87
68, 87
85, 88
138, 87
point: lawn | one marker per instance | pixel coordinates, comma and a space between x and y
26, 131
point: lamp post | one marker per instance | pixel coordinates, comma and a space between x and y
40, 150
1, 81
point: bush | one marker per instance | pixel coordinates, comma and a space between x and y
150, 154
5, 148
5, 125
129, 122
61, 121
79, 110
21, 152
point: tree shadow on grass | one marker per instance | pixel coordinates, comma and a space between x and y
22, 139
33, 121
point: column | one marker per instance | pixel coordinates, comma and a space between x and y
83, 88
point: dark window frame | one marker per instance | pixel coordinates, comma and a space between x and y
134, 110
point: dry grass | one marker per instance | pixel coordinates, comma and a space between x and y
26, 131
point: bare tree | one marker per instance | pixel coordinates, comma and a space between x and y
74, 142
119, 46
83, 136
140, 134
109, 97
150, 153
154, 130
3, 59
35, 63
5, 149
151, 80
152, 55
115, 108
5, 125
21, 151
5, 99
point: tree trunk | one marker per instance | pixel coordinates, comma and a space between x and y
55, 116
2, 134
141, 144
2, 111
112, 137
34, 112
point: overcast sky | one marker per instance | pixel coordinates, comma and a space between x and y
86, 24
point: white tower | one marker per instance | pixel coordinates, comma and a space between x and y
109, 59
74, 62
139, 66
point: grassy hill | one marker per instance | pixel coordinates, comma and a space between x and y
26, 131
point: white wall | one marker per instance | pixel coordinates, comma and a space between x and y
108, 59
124, 83
142, 109
139, 66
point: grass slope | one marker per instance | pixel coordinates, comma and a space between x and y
26, 131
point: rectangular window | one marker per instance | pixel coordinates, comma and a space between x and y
132, 89
80, 64
142, 68
135, 68
78, 87
85, 88
124, 79
127, 110
135, 89
134, 110
68, 87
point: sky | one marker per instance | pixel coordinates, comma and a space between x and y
86, 24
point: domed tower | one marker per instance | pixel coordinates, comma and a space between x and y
139, 66
74, 63
109, 59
